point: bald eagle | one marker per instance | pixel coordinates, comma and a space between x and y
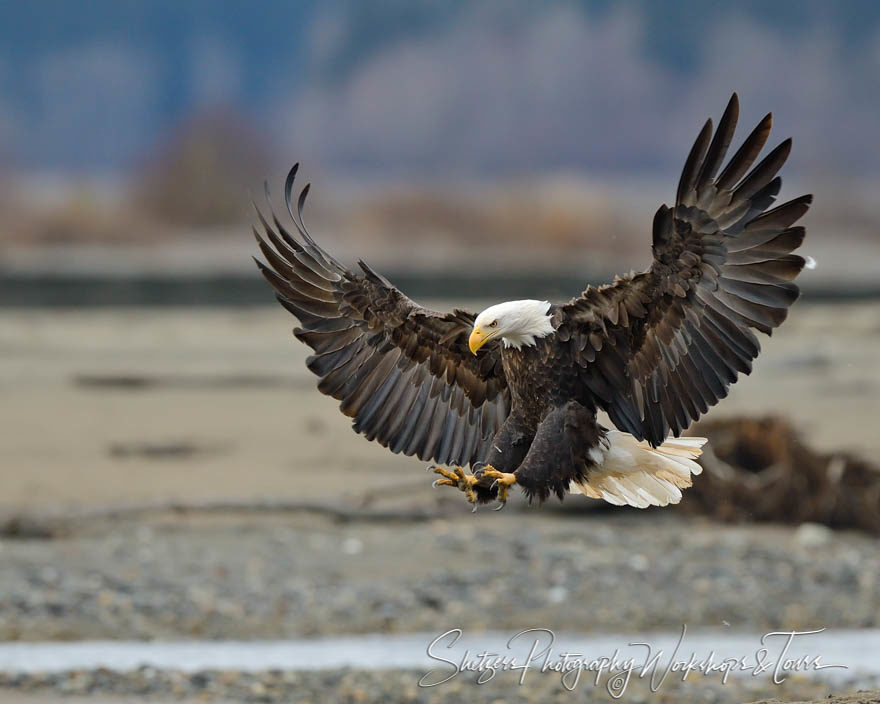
510, 396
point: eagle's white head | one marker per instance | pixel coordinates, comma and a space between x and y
517, 323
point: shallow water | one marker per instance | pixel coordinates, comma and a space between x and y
842, 654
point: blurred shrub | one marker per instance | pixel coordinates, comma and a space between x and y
52, 211
80, 216
202, 174
539, 214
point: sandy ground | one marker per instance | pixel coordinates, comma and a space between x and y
123, 407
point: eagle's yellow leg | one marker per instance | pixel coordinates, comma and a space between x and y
502, 480
457, 477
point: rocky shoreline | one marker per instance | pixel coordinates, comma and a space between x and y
350, 686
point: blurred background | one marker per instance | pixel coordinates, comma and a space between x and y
132, 133
170, 471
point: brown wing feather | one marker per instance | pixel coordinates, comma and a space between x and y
402, 372
660, 347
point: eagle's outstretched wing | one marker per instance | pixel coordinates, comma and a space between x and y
660, 347
402, 372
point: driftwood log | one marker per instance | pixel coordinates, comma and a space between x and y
758, 469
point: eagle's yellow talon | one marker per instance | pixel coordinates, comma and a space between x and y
466, 482
448, 474
457, 477
502, 481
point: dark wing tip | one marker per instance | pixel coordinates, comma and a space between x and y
720, 143
732, 108
746, 154
291, 177
302, 199
662, 226
694, 162
288, 187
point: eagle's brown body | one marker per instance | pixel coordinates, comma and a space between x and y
654, 350
552, 424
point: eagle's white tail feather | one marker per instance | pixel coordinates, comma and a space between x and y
634, 473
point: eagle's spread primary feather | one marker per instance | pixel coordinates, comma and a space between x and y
654, 350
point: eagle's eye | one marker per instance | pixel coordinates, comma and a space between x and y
493, 324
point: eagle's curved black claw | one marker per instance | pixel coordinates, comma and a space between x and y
501, 505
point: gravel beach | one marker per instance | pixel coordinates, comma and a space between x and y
354, 686
280, 575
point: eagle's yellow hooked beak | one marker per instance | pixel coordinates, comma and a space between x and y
477, 339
